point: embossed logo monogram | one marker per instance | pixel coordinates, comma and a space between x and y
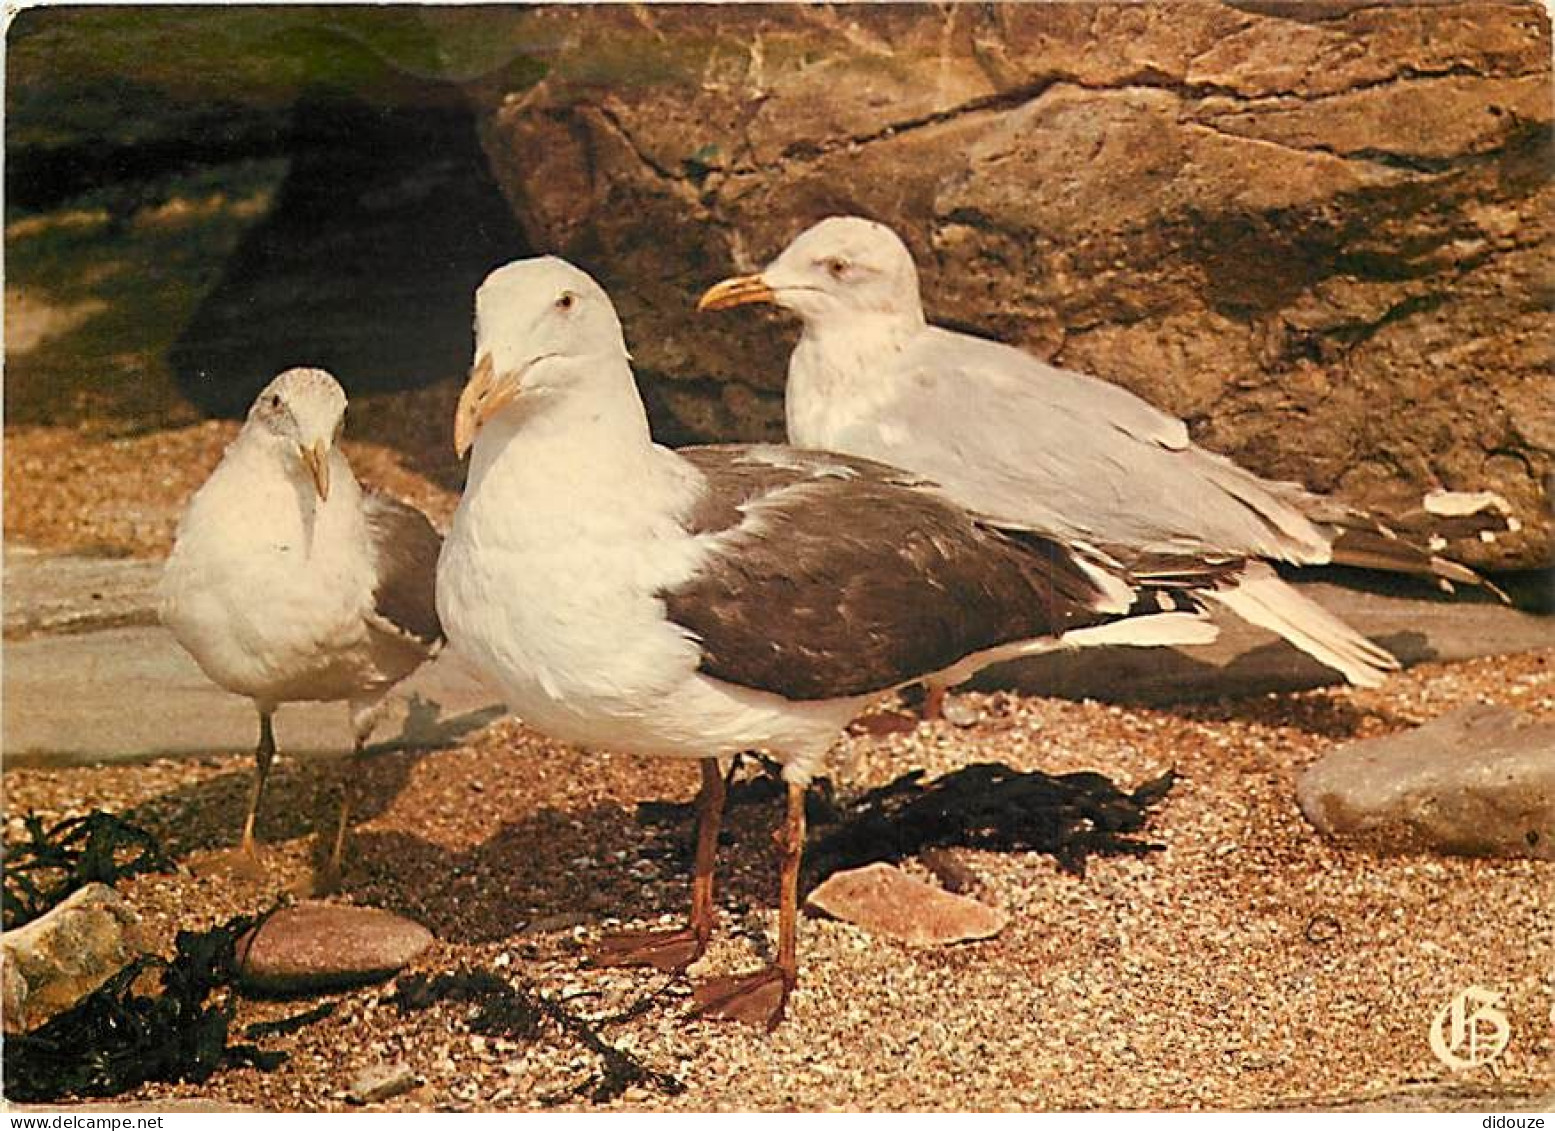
1470, 1030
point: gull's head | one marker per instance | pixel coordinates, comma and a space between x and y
844, 266
534, 320
304, 409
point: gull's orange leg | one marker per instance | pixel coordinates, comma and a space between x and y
760, 998
673, 951
246, 863
933, 702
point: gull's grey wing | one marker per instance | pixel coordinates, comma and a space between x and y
828, 576
1065, 453
405, 547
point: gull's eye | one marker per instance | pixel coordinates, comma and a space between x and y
836, 266
566, 301
275, 400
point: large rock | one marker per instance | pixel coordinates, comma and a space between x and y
325, 946
60, 957
1320, 232
1477, 781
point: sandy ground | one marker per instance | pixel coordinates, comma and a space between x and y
91, 490
1249, 964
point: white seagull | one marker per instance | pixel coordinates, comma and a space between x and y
288, 582
699, 603
1051, 449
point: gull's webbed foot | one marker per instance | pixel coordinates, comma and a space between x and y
754, 999
241, 863
669, 951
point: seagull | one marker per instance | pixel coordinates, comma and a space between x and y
288, 582
1030, 444
703, 602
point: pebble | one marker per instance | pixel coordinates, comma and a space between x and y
381, 1083
561, 921
884, 900
950, 870
960, 712
317, 946
53, 962
1479, 781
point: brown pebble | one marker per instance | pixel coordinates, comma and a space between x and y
317, 946
949, 870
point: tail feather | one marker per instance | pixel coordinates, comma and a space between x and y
1380, 548
1151, 630
1407, 543
1263, 598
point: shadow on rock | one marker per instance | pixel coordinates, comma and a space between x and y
385, 224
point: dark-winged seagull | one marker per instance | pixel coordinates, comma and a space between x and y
288, 582
1027, 443
700, 603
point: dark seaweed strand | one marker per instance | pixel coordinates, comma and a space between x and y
519, 1012
986, 806
286, 1026
51, 863
621, 1068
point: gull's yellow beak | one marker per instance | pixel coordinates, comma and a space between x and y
316, 460
738, 291
485, 394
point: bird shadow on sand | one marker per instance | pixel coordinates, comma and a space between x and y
300, 799
302, 794
558, 868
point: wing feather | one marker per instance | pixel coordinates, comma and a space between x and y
1060, 451
405, 548
829, 576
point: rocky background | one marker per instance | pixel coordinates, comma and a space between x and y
1318, 231
1330, 216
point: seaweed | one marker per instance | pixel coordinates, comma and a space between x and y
520, 1012
986, 805
43, 870
989, 806
117, 1038
286, 1026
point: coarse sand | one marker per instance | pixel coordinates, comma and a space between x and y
1248, 964
89, 489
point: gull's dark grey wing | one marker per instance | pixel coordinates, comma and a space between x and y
405, 547
828, 576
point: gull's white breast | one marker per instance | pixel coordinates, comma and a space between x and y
268, 599
843, 389
555, 593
